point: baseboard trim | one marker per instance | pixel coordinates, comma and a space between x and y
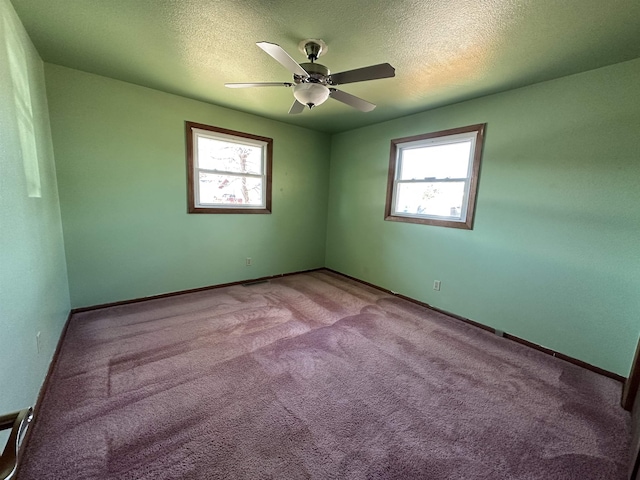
631, 386
191, 290
506, 335
41, 393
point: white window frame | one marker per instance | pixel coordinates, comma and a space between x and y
196, 131
472, 133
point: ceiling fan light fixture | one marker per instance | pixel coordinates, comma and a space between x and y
313, 83
311, 94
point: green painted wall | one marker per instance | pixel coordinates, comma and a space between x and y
120, 159
34, 295
553, 257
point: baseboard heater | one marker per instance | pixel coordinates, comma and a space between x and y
18, 422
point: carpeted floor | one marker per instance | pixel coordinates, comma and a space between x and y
314, 376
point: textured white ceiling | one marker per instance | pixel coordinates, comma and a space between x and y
443, 51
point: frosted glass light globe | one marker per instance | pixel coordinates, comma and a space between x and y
311, 94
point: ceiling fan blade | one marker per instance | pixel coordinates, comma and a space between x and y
351, 100
296, 108
282, 57
373, 72
260, 84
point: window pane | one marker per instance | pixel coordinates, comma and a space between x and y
438, 161
228, 156
443, 199
229, 190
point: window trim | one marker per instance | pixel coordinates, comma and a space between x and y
191, 187
397, 143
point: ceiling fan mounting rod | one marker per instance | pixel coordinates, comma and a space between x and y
313, 50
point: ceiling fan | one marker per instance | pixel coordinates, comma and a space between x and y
313, 83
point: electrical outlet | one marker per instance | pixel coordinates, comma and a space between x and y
38, 341
436, 285
248, 261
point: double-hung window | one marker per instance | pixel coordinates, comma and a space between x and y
433, 178
228, 171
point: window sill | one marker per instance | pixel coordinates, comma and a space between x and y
229, 210
430, 221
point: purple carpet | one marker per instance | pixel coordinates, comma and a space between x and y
315, 376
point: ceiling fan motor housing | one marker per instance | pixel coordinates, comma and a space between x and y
317, 73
